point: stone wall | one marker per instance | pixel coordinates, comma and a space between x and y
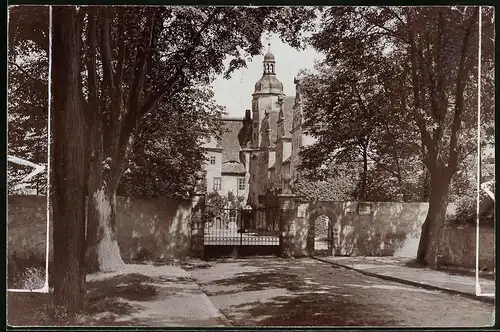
153, 229
389, 229
160, 229
372, 228
27, 227
458, 247
147, 229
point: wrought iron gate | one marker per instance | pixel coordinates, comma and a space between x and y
242, 232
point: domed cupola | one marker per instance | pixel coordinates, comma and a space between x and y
268, 82
269, 57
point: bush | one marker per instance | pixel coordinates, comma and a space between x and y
27, 272
33, 278
335, 188
466, 211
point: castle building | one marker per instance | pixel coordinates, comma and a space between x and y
258, 149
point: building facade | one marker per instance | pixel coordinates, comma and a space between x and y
257, 150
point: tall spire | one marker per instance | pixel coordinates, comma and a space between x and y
269, 62
268, 83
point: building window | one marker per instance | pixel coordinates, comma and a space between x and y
217, 184
232, 215
241, 184
212, 160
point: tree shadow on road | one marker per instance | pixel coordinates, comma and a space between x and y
316, 310
108, 298
130, 286
276, 295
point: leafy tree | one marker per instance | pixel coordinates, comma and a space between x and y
346, 110
27, 94
466, 211
168, 154
114, 71
337, 185
69, 163
136, 62
233, 202
27, 133
214, 205
224, 206
435, 52
136, 59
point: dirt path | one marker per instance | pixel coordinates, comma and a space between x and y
137, 295
271, 291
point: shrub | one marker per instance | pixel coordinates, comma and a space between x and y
33, 278
466, 211
26, 272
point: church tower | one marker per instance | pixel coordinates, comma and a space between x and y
265, 110
265, 97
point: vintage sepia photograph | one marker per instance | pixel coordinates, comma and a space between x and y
250, 166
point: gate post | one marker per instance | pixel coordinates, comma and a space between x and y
197, 218
286, 202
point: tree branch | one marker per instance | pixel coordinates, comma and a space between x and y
399, 18
153, 100
378, 25
28, 75
465, 155
139, 71
129, 122
91, 64
421, 123
459, 96
107, 58
122, 54
379, 162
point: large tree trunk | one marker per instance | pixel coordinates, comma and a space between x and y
69, 162
425, 185
103, 252
434, 221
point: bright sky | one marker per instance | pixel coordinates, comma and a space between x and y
236, 93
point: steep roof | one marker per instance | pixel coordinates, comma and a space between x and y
288, 102
233, 167
229, 142
273, 127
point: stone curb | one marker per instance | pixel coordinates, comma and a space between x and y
211, 307
486, 299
